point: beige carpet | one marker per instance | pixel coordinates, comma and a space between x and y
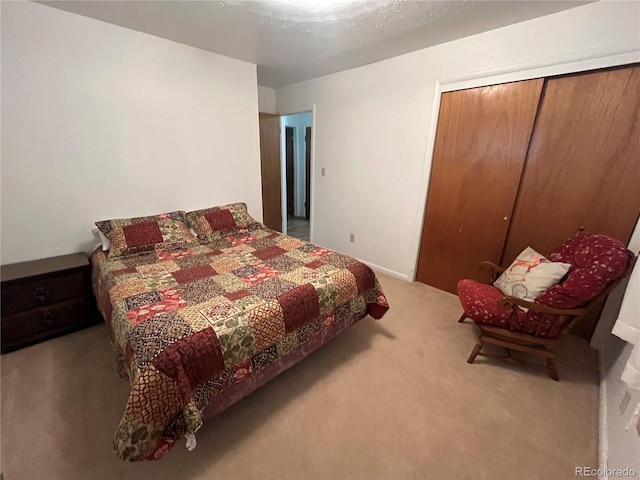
389, 399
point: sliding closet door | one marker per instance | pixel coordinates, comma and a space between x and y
583, 167
481, 144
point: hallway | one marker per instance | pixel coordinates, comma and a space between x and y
298, 227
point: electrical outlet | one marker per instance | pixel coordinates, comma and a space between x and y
352, 238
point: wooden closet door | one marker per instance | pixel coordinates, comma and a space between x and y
481, 144
583, 166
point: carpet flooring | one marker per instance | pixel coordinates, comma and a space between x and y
388, 399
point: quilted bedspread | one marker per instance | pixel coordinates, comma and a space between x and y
188, 324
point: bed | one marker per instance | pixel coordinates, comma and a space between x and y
196, 324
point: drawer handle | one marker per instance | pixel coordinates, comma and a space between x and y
48, 318
41, 294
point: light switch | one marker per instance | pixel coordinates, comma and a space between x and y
322, 171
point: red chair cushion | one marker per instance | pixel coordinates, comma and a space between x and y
480, 303
596, 261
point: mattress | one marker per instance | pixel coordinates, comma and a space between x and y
196, 329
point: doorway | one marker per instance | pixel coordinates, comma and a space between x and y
296, 131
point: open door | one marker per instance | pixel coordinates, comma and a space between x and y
270, 167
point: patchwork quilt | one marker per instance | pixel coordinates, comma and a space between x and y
188, 324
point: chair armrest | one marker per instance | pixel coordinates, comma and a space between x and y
492, 269
510, 302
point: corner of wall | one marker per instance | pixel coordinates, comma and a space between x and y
267, 100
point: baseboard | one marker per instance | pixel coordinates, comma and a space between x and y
386, 271
603, 441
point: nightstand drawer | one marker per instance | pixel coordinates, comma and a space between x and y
33, 292
29, 327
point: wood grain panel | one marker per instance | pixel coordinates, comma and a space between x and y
481, 144
270, 167
583, 166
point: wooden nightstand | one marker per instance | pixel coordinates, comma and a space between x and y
44, 299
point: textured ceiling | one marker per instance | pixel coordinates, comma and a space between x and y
295, 40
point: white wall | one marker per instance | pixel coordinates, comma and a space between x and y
267, 99
299, 122
374, 128
374, 125
619, 447
99, 122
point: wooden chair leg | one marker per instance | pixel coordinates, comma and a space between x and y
553, 370
464, 315
475, 352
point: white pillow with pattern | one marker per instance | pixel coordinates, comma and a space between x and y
530, 274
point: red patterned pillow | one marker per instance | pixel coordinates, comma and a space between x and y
135, 236
596, 261
218, 222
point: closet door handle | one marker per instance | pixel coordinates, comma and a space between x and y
505, 218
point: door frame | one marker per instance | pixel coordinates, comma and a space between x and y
290, 147
485, 78
308, 136
312, 181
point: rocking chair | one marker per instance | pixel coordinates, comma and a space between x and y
598, 264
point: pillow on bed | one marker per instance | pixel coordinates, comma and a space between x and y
134, 236
104, 241
214, 223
